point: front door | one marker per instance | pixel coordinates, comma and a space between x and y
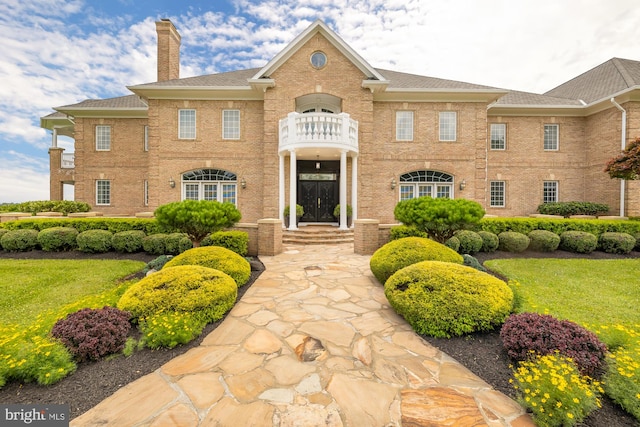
318, 191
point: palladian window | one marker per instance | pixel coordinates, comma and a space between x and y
425, 183
210, 184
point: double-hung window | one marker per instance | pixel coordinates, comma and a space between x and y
404, 125
187, 124
549, 191
447, 124
103, 192
551, 137
497, 194
103, 138
231, 124
498, 136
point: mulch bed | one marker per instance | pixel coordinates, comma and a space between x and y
93, 382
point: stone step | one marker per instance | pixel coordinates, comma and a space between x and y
316, 235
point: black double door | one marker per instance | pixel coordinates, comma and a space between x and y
318, 190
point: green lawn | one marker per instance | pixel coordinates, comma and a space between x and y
31, 287
588, 292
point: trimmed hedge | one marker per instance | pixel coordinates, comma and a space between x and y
128, 241
216, 257
578, 241
400, 253
155, 244
543, 241
19, 240
176, 243
3, 231
559, 226
236, 241
58, 239
114, 225
616, 243
94, 241
34, 207
567, 209
512, 241
400, 231
470, 242
443, 299
490, 241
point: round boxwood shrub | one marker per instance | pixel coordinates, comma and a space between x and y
203, 291
616, 243
3, 231
442, 299
525, 335
400, 253
512, 241
129, 241
19, 240
578, 241
636, 247
176, 243
543, 241
490, 241
236, 241
94, 241
215, 257
453, 243
400, 231
470, 242
90, 333
56, 239
155, 244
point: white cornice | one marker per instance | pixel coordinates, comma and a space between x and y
214, 93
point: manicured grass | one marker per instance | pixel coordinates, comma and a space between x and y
31, 287
588, 292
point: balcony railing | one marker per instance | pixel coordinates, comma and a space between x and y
318, 130
67, 161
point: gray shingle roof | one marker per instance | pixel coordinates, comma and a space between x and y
600, 82
228, 79
515, 97
398, 80
121, 102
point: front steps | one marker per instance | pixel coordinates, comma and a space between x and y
317, 235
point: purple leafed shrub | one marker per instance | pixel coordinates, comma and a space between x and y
527, 334
90, 334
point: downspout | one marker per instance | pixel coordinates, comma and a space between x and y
623, 145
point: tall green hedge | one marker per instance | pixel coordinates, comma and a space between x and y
114, 225
558, 226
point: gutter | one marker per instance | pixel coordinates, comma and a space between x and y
623, 145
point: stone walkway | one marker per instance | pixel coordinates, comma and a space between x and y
313, 342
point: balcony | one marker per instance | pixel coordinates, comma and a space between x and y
67, 161
318, 130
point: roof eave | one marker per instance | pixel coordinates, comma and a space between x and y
198, 92
135, 113
55, 122
439, 95
536, 110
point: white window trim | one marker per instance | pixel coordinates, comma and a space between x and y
146, 138
97, 192
145, 193
195, 124
504, 194
219, 189
442, 114
557, 190
224, 123
97, 135
409, 115
504, 127
557, 147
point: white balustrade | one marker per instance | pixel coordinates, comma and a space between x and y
318, 130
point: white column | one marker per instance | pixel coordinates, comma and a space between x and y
343, 190
54, 138
280, 185
354, 188
293, 171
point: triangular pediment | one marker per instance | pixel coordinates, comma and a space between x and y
370, 74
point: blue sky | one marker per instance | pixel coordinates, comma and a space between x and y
57, 52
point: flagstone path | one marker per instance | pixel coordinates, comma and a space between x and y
313, 342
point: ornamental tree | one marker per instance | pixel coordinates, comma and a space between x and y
197, 218
627, 164
440, 217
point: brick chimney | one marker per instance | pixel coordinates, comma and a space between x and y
168, 50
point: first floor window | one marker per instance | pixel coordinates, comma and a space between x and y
423, 183
497, 194
145, 192
498, 136
551, 137
550, 191
404, 126
103, 192
448, 125
210, 184
103, 138
231, 124
187, 124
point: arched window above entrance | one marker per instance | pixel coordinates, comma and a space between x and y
319, 103
422, 183
210, 184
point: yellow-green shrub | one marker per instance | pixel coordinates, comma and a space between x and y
442, 299
204, 291
215, 257
403, 252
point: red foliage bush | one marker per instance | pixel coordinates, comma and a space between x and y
90, 334
526, 334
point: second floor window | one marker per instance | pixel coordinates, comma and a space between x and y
146, 138
231, 124
551, 136
187, 124
103, 138
448, 125
498, 136
404, 125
